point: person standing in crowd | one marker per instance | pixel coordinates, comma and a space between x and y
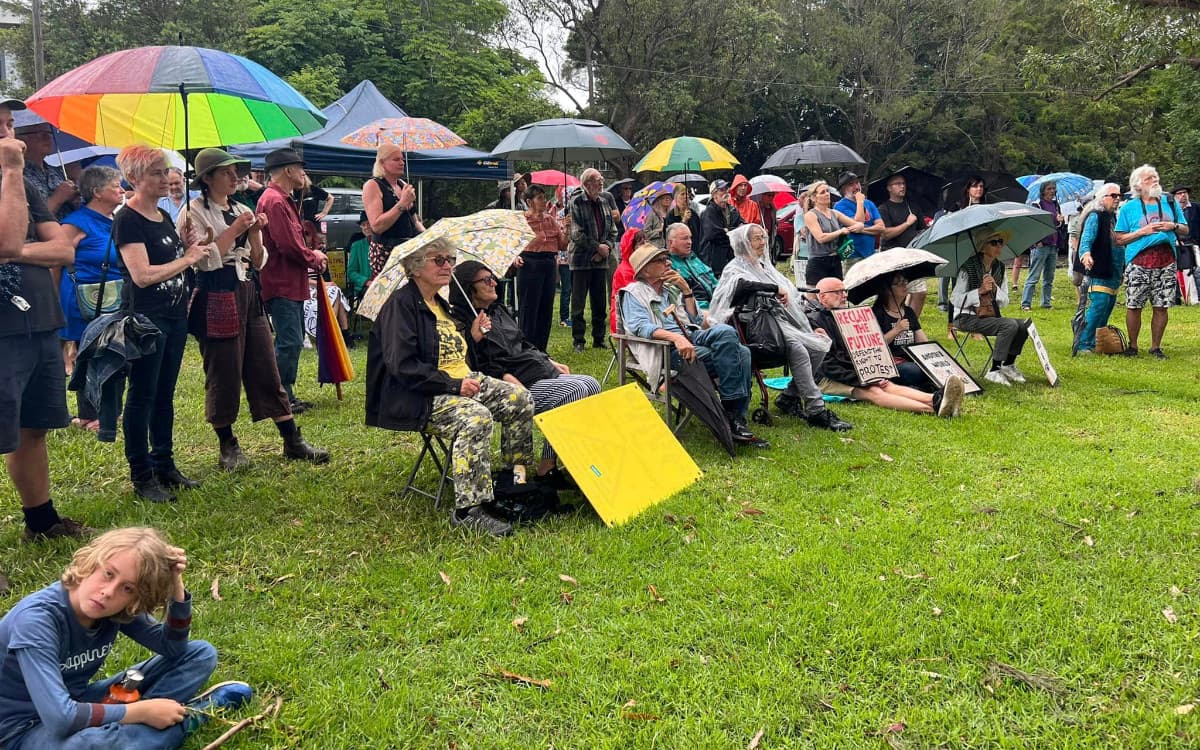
358, 264
681, 210
656, 221
718, 220
699, 277
174, 201
1191, 212
59, 193
284, 278
1043, 256
978, 296
857, 206
315, 201
390, 203
1102, 261
1078, 272
89, 230
538, 273
621, 192
973, 192
739, 195
826, 227
250, 189
157, 284
593, 241
33, 394
902, 222
228, 318
1149, 228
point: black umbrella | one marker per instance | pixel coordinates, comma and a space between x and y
813, 155
998, 186
694, 181
924, 189
695, 390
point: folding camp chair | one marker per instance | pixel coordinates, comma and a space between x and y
961, 339
656, 385
438, 451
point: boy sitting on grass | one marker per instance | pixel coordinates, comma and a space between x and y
53, 641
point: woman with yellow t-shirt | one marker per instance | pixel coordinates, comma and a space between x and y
418, 379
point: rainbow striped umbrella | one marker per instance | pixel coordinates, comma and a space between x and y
686, 154
175, 97
333, 361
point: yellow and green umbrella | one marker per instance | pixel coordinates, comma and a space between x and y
686, 154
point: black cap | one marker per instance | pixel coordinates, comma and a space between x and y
11, 103
281, 157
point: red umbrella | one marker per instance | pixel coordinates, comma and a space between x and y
333, 361
553, 178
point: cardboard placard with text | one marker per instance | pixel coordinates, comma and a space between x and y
1043, 355
869, 353
937, 363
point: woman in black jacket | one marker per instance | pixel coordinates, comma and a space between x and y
418, 379
503, 352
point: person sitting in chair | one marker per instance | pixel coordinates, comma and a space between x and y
502, 351
839, 378
979, 293
660, 305
750, 271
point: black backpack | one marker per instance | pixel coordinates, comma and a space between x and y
523, 503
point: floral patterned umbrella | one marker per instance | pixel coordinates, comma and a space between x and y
634, 216
493, 237
409, 133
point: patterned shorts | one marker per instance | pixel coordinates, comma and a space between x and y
1158, 286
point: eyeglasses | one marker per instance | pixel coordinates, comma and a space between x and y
1113, 195
840, 292
442, 260
900, 283
490, 280
996, 242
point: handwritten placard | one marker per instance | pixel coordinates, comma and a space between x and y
937, 363
864, 341
1043, 355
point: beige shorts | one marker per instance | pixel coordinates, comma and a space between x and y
834, 388
917, 286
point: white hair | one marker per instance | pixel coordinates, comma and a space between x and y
1135, 182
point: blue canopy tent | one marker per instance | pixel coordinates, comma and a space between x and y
324, 153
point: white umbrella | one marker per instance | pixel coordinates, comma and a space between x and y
913, 262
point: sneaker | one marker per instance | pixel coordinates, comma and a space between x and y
151, 489
1157, 353
564, 323
790, 405
1014, 288
1085, 352
743, 436
579, 348
1012, 373
1047, 307
66, 528
951, 398
299, 407
476, 517
1130, 351
1025, 308
997, 377
828, 420
223, 695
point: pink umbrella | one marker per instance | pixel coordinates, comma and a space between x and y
769, 183
553, 178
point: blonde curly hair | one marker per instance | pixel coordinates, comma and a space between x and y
156, 558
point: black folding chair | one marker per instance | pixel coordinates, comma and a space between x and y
438, 451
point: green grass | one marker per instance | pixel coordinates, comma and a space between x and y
1045, 530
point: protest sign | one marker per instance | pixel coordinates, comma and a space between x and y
937, 363
1043, 355
864, 341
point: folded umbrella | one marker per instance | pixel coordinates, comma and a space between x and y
333, 361
695, 390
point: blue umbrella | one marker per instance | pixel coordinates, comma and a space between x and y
639, 206
1028, 179
1070, 186
950, 236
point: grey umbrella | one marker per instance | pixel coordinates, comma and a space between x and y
950, 236
813, 155
560, 140
696, 182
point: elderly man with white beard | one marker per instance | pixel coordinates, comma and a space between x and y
1148, 227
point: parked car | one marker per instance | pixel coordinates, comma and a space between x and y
342, 220
783, 243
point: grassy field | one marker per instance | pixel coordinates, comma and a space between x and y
1023, 577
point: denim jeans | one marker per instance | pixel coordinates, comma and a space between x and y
1102, 298
178, 679
288, 318
150, 403
1041, 263
727, 361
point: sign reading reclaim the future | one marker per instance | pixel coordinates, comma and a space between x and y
864, 341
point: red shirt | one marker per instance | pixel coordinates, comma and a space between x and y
285, 274
548, 234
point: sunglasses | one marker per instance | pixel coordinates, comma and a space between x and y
442, 260
490, 280
997, 242
1113, 195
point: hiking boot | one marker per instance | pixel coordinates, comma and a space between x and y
1012, 373
66, 528
172, 478
743, 436
948, 400
297, 448
1157, 353
826, 419
232, 457
476, 517
790, 405
997, 377
151, 489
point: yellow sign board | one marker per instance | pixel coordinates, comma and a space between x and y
619, 451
